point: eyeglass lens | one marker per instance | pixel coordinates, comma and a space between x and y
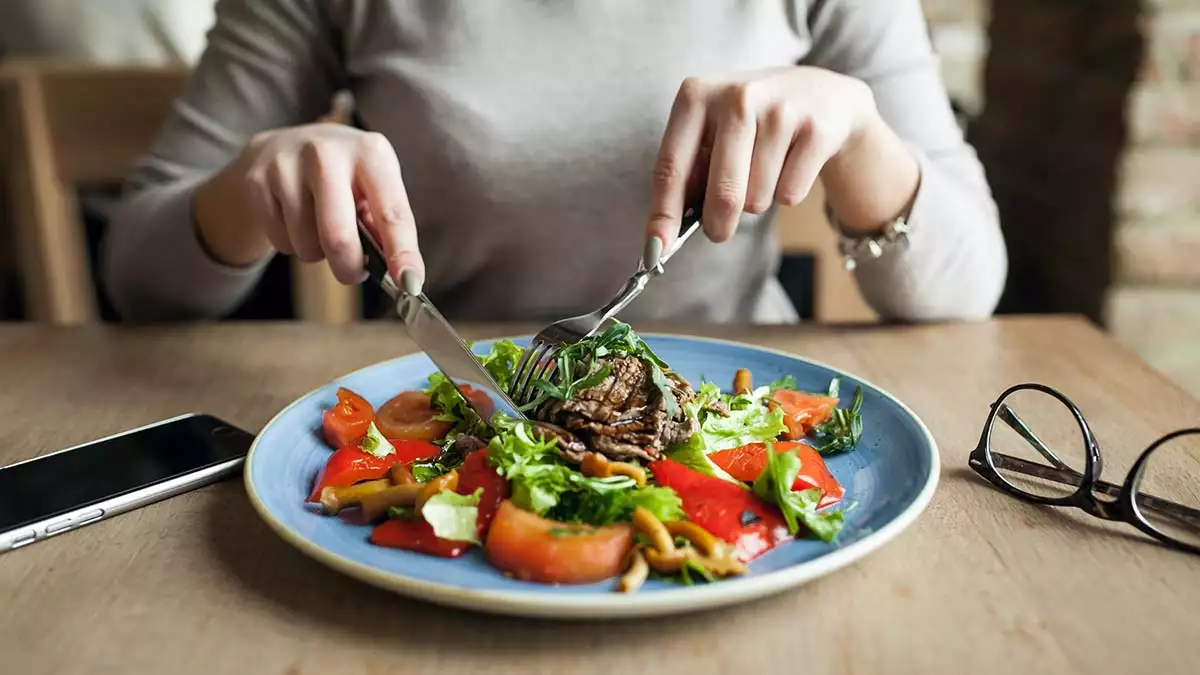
1037, 445
1167, 490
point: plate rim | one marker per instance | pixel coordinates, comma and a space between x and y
613, 605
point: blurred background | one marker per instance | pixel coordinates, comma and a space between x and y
1086, 114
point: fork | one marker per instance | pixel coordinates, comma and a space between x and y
538, 360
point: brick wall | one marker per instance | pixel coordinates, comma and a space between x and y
1108, 222
1154, 303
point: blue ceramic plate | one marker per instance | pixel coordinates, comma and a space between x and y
890, 477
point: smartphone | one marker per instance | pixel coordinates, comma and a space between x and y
65, 490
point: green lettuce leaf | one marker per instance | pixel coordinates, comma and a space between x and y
375, 444
798, 506
694, 455
749, 421
501, 362
452, 516
544, 484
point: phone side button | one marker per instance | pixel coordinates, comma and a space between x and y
87, 517
26, 537
55, 528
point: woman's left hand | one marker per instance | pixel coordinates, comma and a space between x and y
751, 140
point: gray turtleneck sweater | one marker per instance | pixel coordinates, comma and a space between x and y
527, 132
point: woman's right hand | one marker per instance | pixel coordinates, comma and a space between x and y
301, 191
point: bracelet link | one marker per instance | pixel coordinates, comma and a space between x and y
893, 234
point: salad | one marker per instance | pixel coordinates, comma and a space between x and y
623, 471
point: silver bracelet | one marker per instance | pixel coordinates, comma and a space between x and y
893, 234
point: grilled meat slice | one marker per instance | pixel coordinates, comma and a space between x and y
569, 446
625, 415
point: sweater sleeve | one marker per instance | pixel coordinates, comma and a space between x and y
956, 262
268, 64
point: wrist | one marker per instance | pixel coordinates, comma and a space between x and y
872, 180
220, 228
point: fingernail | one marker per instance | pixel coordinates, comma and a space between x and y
411, 281
653, 252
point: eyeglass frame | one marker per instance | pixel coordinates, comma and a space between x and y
1123, 508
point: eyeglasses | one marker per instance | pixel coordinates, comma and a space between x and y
1160, 496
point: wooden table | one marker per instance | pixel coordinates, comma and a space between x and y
981, 583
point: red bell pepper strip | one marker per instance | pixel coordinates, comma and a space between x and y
348, 466
747, 463
729, 511
474, 473
414, 534
409, 451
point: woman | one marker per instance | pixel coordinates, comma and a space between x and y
517, 158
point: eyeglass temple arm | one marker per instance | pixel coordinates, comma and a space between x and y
1071, 477
1011, 419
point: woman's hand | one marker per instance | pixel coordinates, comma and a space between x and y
301, 191
758, 138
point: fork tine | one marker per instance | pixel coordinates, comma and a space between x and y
528, 365
519, 373
541, 370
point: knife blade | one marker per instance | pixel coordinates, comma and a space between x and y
433, 334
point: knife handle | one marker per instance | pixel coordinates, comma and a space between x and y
375, 262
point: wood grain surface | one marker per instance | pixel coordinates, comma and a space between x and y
981, 583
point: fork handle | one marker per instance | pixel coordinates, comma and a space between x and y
688, 226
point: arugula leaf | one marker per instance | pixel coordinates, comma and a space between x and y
577, 367
375, 444
774, 484
690, 567
664, 387
844, 428
451, 457
453, 516
446, 397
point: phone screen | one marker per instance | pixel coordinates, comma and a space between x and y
88, 474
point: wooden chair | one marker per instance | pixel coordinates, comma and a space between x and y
75, 124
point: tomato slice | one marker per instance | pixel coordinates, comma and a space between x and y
347, 421
348, 466
410, 416
475, 472
415, 534
479, 400
728, 511
533, 548
802, 411
747, 463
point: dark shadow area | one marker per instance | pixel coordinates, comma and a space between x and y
271, 298
1057, 77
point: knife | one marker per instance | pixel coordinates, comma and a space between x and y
432, 333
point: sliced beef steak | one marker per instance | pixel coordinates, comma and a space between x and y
624, 416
